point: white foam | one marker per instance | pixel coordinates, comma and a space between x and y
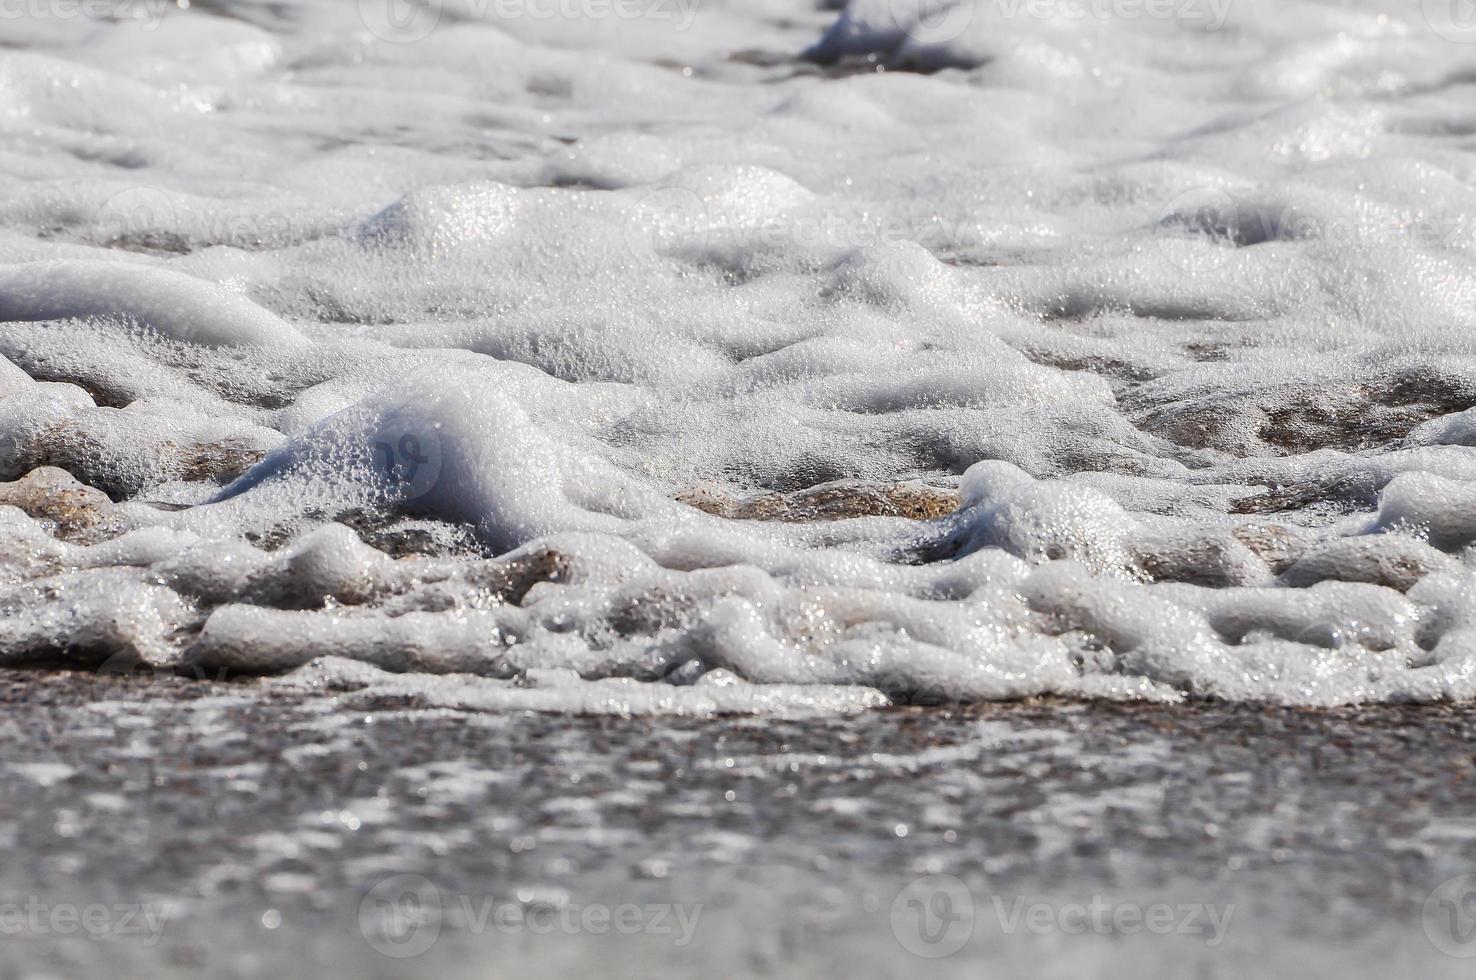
1179, 306
564, 692
180, 307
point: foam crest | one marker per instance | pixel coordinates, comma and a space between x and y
178, 306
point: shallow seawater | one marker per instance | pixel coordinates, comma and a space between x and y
743, 358
230, 830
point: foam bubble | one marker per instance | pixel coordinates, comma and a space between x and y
612, 365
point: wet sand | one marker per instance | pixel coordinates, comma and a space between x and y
265, 831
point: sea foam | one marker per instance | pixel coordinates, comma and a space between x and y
752, 361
